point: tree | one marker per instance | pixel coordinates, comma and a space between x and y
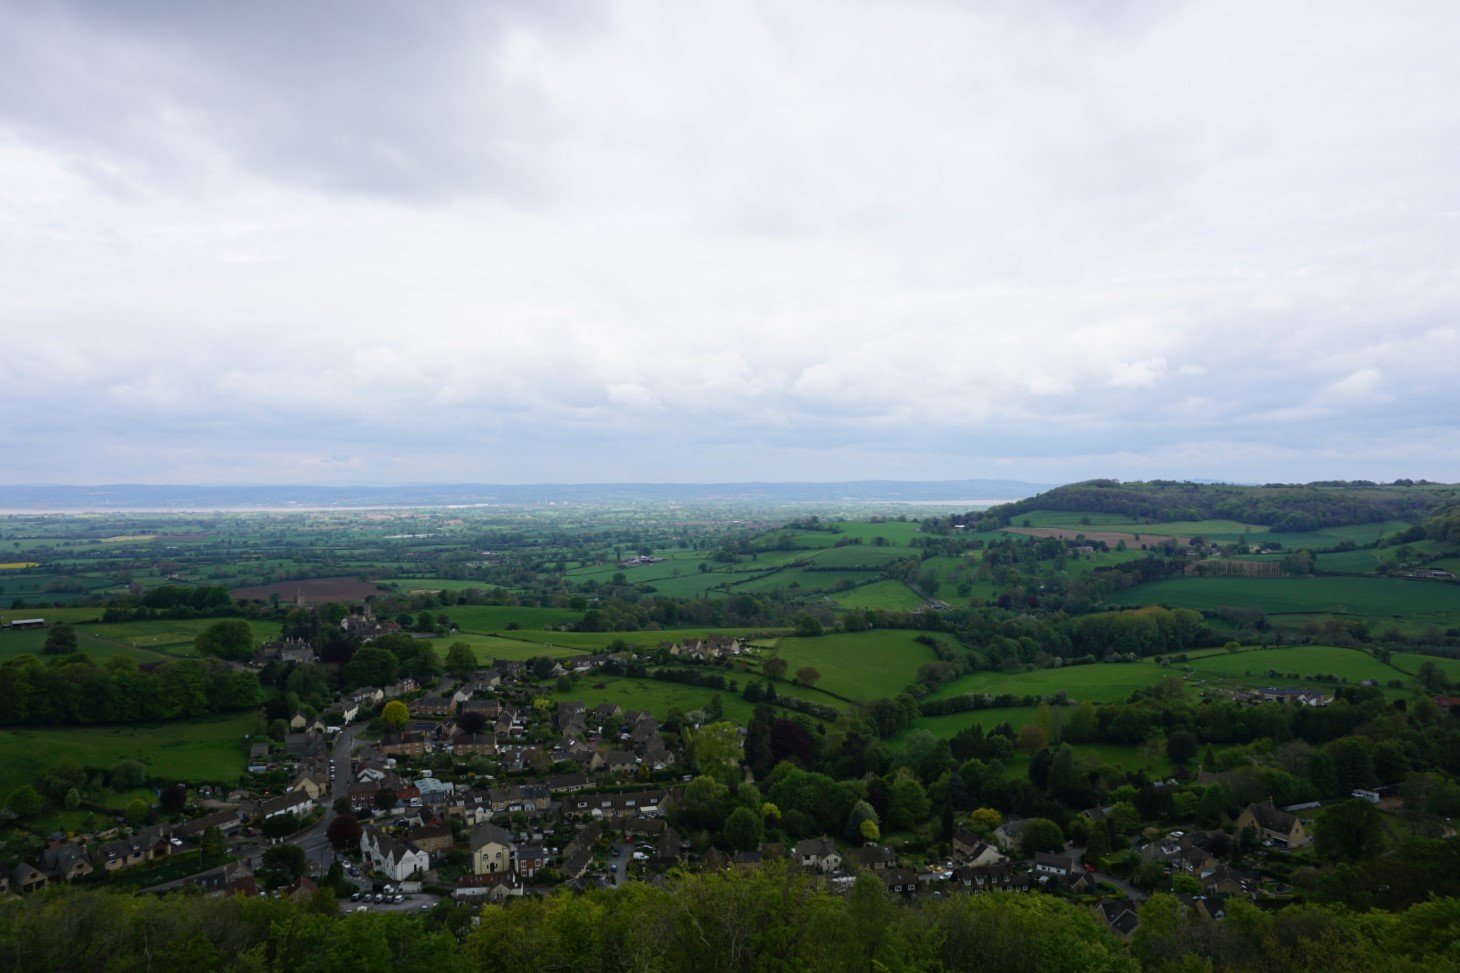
1349, 831
1041, 834
173, 797
136, 812
743, 829
808, 626
1097, 846
985, 820
344, 832
471, 722
775, 667
371, 666
1032, 738
870, 832
461, 662
807, 675
60, 640
283, 864
395, 715
72, 800
279, 826
231, 639
717, 751
25, 801
907, 802
1181, 747
211, 844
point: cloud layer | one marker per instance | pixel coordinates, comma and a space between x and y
392, 242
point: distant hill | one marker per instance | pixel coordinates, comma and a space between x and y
124, 496
1283, 507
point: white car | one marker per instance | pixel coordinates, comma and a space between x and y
639, 856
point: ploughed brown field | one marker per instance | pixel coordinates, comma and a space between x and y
1111, 537
313, 591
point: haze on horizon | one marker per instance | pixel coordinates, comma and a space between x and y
687, 242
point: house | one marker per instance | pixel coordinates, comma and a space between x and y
408, 744
668, 849
531, 859
297, 802
817, 854
1008, 834
974, 850
144, 846
26, 878
65, 861
990, 878
903, 881
1120, 915
874, 857
1053, 866
390, 856
466, 745
492, 850
226, 821
566, 783
434, 706
235, 878
1273, 825
432, 838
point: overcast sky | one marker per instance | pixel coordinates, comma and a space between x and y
380, 242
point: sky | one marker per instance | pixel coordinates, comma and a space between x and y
404, 242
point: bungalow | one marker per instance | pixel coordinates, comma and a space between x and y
817, 854
492, 850
1053, 866
235, 878
144, 846
874, 857
296, 802
226, 821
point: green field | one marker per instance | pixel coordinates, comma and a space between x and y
581, 642
1411, 661
187, 750
886, 595
169, 633
1351, 664
1379, 599
493, 619
1098, 683
863, 557
861, 665
655, 696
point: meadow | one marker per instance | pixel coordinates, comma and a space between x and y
885, 595
194, 751
858, 665
1378, 599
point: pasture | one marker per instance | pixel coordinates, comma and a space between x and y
886, 595
1100, 682
491, 619
654, 696
1250, 666
1378, 599
312, 591
860, 665
193, 751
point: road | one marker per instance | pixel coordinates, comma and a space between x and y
623, 855
314, 840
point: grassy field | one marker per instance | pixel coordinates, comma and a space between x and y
489, 648
1351, 664
861, 665
581, 642
887, 595
492, 619
187, 750
1411, 661
861, 556
655, 696
1099, 683
1378, 599
169, 633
